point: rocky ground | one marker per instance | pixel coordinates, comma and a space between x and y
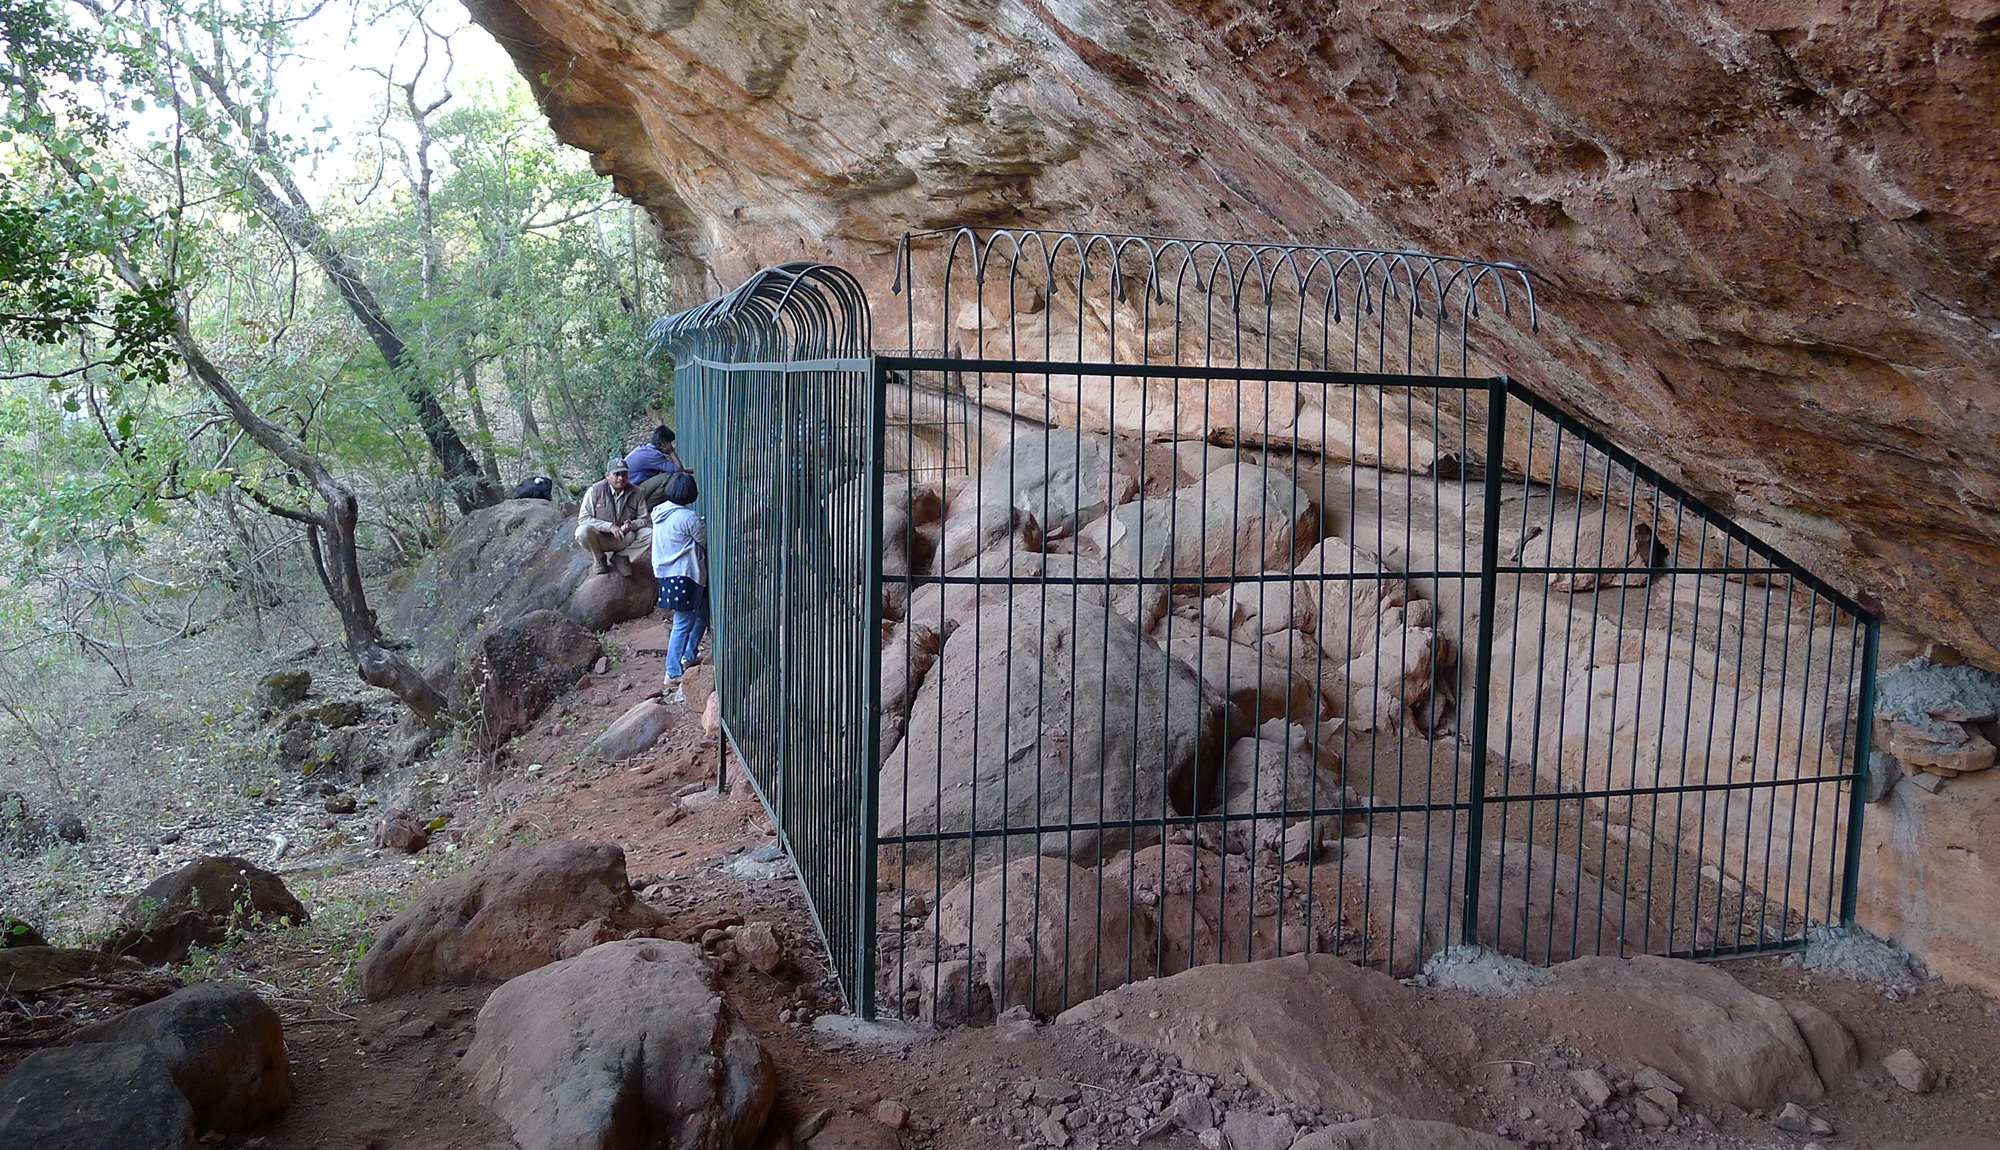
387, 1073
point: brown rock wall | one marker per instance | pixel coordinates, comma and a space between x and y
1767, 229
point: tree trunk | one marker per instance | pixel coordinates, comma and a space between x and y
335, 555
291, 213
490, 461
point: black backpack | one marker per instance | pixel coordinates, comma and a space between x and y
534, 487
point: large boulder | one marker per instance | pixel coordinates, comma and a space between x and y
1239, 520
1310, 1029
525, 665
1725, 1043
116, 1097
601, 602
498, 564
1046, 933
503, 917
1055, 712
224, 1045
946, 604
1061, 476
1261, 685
1402, 899
198, 905
629, 1044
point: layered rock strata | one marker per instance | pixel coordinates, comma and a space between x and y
1764, 237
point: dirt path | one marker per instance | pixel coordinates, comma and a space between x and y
384, 1076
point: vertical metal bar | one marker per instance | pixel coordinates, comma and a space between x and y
786, 672
1864, 735
870, 709
1482, 668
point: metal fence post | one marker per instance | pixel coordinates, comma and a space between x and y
867, 827
1482, 667
786, 670
1864, 736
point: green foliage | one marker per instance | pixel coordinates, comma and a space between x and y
521, 285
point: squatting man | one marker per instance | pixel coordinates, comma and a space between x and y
612, 522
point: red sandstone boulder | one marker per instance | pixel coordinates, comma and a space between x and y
628, 1044
1311, 1029
604, 601
503, 917
1726, 1043
525, 665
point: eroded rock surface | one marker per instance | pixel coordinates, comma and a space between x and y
1312, 1029
1767, 253
628, 1044
503, 917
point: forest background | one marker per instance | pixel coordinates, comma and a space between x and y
285, 289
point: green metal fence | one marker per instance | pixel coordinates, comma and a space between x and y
1160, 602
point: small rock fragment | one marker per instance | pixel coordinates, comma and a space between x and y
399, 831
419, 1027
1650, 1113
1794, 1118
1192, 1111
1928, 782
811, 1123
1650, 1079
340, 804
758, 944
1591, 1088
892, 1114
1910, 1072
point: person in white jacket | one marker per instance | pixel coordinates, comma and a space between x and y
680, 563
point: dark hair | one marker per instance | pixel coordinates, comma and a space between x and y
680, 489
662, 435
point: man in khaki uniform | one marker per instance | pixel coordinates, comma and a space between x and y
612, 524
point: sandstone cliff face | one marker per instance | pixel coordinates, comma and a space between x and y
1767, 230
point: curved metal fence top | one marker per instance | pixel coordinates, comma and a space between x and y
1424, 301
800, 310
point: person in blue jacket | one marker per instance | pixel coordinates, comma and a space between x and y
652, 463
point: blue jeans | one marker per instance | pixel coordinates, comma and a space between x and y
685, 638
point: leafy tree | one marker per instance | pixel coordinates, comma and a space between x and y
101, 274
151, 237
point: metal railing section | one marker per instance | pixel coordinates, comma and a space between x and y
780, 419
1164, 602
